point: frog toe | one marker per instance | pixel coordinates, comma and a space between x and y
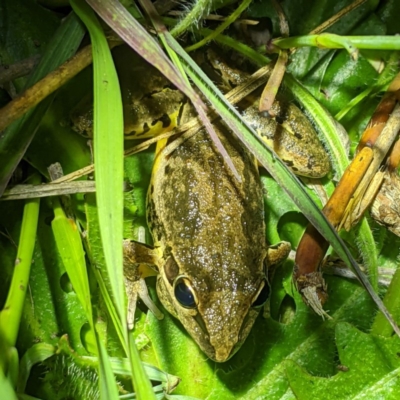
278, 253
138, 289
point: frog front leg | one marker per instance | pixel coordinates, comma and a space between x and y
276, 255
140, 262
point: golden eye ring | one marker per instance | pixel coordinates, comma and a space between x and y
184, 292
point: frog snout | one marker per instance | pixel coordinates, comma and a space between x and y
224, 353
224, 348
224, 339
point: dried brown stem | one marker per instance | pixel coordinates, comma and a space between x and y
46, 86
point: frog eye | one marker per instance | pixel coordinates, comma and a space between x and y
262, 295
185, 293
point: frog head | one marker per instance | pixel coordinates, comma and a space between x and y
217, 311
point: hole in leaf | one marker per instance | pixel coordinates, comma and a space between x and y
88, 339
65, 283
287, 310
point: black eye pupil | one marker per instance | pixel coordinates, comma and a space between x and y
184, 294
263, 296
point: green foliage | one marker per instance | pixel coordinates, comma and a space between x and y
290, 353
369, 368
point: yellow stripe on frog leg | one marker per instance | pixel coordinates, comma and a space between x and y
162, 143
162, 125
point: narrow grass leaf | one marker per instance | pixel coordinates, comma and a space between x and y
6, 389
199, 9
11, 314
108, 156
332, 41
69, 246
240, 47
392, 302
108, 153
96, 258
141, 382
107, 383
228, 21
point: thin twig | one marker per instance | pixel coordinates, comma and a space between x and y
19, 192
46, 86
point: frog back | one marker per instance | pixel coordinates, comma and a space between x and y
197, 210
209, 228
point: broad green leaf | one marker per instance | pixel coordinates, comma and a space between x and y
290, 337
304, 338
368, 369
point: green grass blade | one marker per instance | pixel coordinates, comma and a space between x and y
228, 21
380, 325
139, 377
240, 47
69, 246
200, 8
108, 387
11, 314
108, 156
332, 41
108, 153
96, 257
6, 389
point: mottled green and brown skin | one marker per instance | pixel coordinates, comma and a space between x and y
215, 237
208, 228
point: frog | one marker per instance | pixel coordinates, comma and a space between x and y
151, 105
209, 255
